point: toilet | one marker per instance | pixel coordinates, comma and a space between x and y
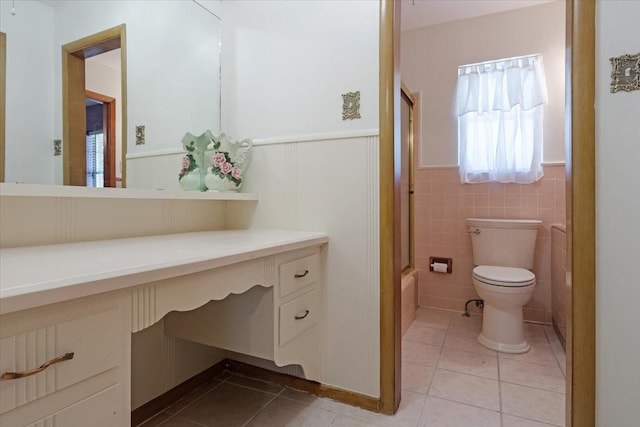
503, 255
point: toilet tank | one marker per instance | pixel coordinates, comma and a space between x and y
504, 242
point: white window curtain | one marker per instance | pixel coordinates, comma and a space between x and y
500, 108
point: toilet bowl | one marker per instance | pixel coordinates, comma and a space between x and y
503, 252
505, 290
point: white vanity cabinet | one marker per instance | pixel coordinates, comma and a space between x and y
257, 292
90, 387
278, 320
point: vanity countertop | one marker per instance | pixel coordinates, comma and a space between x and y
34, 276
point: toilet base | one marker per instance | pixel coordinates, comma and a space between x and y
523, 347
503, 330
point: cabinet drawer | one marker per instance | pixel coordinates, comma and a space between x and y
95, 341
298, 274
298, 315
103, 409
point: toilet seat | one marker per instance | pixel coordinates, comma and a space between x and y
504, 276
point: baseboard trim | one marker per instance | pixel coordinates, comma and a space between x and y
151, 408
313, 387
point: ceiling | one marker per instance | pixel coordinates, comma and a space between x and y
422, 13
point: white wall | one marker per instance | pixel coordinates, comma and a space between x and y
617, 227
430, 57
29, 98
286, 65
105, 80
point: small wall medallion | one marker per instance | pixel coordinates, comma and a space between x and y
351, 105
140, 135
57, 147
625, 73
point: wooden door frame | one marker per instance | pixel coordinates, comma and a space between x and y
405, 93
109, 124
580, 170
73, 89
3, 100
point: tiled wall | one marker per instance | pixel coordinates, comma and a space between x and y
442, 205
559, 292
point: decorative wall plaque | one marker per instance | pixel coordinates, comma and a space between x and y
140, 135
625, 73
351, 105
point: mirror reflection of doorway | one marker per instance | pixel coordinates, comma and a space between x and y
100, 140
94, 68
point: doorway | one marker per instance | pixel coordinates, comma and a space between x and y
580, 149
74, 109
101, 140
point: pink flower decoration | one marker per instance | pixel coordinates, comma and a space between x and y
226, 168
218, 160
185, 163
236, 172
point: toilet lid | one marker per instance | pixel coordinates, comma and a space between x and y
504, 276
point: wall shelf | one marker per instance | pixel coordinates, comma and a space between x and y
40, 190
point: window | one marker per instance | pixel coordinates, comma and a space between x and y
500, 108
95, 159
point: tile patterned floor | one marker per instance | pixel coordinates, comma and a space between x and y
448, 379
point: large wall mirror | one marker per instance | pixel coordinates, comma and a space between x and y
159, 82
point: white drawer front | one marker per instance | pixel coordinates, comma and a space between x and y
103, 409
95, 341
298, 315
298, 274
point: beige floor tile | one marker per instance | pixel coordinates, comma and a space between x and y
458, 320
511, 421
407, 415
470, 330
286, 412
469, 363
463, 388
227, 404
416, 378
433, 318
446, 413
532, 375
466, 342
345, 421
420, 354
532, 403
310, 399
539, 353
423, 334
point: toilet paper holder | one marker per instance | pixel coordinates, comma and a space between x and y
436, 264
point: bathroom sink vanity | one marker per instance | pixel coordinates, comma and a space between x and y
71, 309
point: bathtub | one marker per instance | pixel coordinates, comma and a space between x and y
408, 298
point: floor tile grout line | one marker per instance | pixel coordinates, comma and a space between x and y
261, 409
499, 389
465, 373
533, 387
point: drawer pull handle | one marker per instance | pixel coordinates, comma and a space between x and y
15, 375
306, 313
299, 276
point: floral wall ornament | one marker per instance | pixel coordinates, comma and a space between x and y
351, 105
625, 73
